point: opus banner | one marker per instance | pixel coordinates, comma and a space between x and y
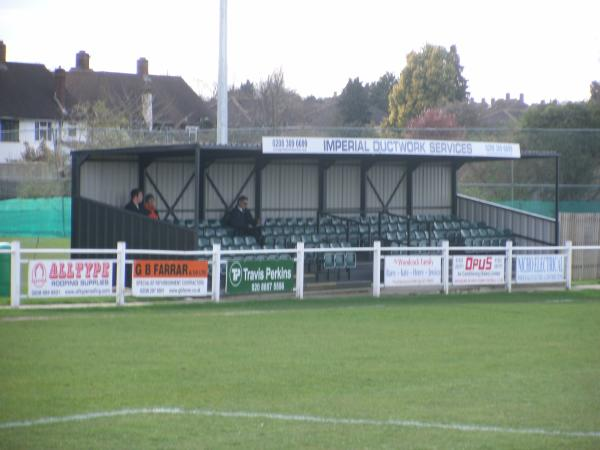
370, 146
477, 269
540, 269
71, 278
245, 277
412, 270
169, 278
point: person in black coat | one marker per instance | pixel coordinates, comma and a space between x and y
135, 203
241, 220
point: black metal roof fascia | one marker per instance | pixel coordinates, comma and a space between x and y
231, 151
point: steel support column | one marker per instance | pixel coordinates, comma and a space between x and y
557, 201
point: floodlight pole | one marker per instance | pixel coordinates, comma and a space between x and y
222, 87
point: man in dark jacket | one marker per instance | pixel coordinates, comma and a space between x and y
241, 220
135, 204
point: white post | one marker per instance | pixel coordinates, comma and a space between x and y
15, 274
445, 266
508, 266
300, 270
216, 273
568, 264
222, 85
376, 268
121, 266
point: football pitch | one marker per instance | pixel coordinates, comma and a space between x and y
476, 371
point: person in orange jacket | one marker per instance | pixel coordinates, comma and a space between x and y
150, 207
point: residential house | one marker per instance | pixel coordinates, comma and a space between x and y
38, 106
146, 101
30, 109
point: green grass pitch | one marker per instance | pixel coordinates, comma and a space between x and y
478, 371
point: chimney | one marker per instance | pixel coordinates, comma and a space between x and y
82, 61
142, 67
60, 79
2, 53
493, 101
507, 96
521, 98
147, 99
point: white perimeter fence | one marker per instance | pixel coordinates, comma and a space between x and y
442, 268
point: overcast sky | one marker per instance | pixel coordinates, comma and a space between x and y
543, 49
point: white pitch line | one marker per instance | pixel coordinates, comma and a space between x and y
300, 418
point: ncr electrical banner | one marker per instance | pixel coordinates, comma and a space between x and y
169, 278
75, 278
540, 269
412, 270
477, 269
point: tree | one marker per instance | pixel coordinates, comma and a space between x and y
434, 123
431, 78
379, 91
353, 103
595, 92
272, 93
579, 148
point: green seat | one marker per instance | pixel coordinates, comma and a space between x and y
328, 261
350, 260
239, 240
339, 260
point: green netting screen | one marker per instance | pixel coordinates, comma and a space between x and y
42, 217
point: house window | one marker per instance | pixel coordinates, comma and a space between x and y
43, 131
9, 130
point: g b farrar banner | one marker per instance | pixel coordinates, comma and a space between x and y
412, 271
477, 269
540, 269
169, 278
70, 278
268, 276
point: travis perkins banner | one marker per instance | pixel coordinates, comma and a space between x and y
404, 147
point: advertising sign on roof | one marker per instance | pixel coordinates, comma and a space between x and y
400, 147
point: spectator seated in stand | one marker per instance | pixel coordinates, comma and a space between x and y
241, 220
150, 207
135, 202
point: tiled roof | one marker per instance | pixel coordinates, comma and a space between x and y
174, 103
27, 92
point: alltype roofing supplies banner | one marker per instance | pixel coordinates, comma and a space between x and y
169, 278
477, 269
412, 271
370, 146
71, 278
